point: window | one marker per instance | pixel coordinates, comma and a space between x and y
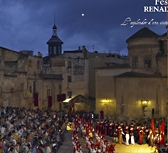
69, 94
55, 50
135, 62
48, 92
59, 49
147, 63
30, 63
69, 79
69, 64
38, 64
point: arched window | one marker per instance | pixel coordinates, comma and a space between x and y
55, 49
147, 62
135, 62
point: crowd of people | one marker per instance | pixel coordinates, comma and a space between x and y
95, 142
98, 134
150, 132
42, 131
31, 131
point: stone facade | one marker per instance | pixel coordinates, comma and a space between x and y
106, 89
77, 68
74, 70
133, 93
21, 77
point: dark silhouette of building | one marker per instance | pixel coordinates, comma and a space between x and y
54, 44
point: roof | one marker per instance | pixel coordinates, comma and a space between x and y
143, 33
115, 66
141, 75
81, 98
55, 39
164, 35
20, 53
74, 51
13, 51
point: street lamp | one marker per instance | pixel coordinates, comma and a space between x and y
106, 102
144, 104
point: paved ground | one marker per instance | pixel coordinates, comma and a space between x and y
120, 148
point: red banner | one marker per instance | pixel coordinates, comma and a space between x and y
49, 101
162, 130
153, 126
36, 99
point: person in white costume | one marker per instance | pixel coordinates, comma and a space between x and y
132, 135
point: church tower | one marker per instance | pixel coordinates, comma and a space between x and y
54, 44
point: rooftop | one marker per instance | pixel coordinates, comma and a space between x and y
143, 33
141, 75
55, 39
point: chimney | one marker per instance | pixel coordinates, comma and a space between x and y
39, 54
79, 48
84, 50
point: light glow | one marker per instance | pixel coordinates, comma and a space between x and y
67, 100
106, 100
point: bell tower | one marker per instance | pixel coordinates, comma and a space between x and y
54, 43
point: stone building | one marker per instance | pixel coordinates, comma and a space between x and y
22, 81
77, 68
138, 89
18, 75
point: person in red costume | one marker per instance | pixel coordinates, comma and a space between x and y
101, 127
97, 127
141, 135
162, 134
110, 129
111, 148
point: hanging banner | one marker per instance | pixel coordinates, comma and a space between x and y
49, 101
36, 99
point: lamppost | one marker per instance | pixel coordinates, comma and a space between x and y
144, 104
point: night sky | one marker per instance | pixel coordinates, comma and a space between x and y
27, 24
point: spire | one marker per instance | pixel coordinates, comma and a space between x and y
54, 27
54, 43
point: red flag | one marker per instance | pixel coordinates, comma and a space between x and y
162, 128
153, 126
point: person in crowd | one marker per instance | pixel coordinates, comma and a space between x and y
132, 134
